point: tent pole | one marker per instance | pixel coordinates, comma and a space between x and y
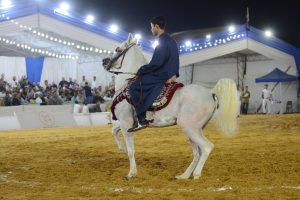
280, 99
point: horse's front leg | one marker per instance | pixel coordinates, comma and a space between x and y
130, 151
115, 129
125, 115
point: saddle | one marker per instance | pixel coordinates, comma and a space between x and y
160, 102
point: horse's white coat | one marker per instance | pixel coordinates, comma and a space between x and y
191, 108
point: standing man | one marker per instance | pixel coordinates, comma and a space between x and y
94, 83
245, 100
163, 67
267, 97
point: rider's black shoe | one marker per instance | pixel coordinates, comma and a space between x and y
138, 126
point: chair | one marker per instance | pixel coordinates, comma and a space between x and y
289, 107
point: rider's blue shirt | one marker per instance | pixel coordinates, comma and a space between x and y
163, 65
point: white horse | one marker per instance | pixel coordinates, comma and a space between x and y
191, 108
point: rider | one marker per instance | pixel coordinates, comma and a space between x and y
163, 67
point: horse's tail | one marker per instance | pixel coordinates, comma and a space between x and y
226, 91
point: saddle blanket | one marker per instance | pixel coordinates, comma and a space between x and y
160, 102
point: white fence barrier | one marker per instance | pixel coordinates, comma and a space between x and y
35, 116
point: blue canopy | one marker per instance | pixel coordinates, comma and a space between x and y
276, 76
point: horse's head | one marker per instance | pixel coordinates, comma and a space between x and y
115, 61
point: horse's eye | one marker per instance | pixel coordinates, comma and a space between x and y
118, 49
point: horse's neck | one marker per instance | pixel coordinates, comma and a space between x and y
133, 60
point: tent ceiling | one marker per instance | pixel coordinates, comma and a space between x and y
25, 37
245, 52
57, 29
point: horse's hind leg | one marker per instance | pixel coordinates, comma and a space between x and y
115, 129
193, 164
204, 146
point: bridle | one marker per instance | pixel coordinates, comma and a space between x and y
123, 53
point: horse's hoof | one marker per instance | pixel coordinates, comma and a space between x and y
126, 178
180, 177
196, 177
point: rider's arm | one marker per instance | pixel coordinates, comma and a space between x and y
159, 57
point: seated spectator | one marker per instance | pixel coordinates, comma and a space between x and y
54, 99
97, 97
14, 83
2, 93
38, 99
73, 99
80, 99
23, 82
16, 99
75, 85
53, 85
29, 93
7, 99
70, 82
63, 82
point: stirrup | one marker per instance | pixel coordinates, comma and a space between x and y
137, 126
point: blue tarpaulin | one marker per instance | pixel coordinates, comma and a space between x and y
276, 76
34, 68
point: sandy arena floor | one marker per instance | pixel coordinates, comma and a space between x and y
261, 162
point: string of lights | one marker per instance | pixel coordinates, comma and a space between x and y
55, 39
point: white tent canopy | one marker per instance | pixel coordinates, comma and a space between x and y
245, 53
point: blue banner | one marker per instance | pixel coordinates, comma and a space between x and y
34, 68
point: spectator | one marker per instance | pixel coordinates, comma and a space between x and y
70, 81
63, 82
267, 98
29, 93
97, 97
82, 84
14, 83
245, 100
88, 93
2, 79
80, 98
38, 99
54, 99
16, 100
7, 99
23, 82
74, 97
94, 83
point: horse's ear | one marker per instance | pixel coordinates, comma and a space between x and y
130, 38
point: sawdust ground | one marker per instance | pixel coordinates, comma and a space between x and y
261, 162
